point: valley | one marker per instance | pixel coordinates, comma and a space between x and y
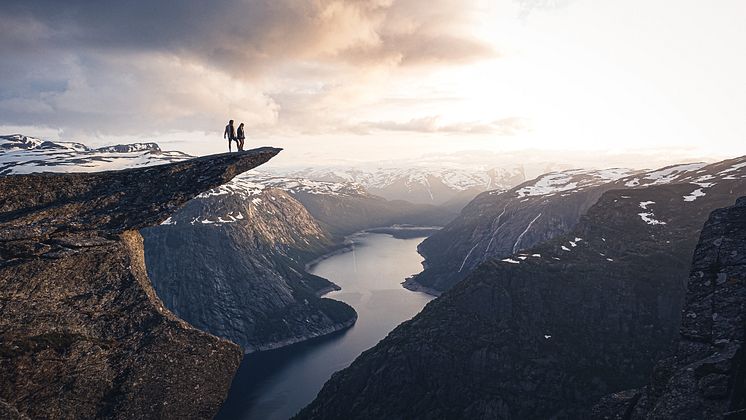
277, 384
558, 296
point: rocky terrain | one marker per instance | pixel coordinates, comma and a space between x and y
706, 376
497, 224
546, 331
82, 333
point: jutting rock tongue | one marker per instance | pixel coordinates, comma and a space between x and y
82, 333
706, 377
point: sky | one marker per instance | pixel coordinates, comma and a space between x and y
582, 82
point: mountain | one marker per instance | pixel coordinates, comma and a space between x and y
448, 187
232, 262
498, 224
547, 331
82, 333
706, 376
23, 154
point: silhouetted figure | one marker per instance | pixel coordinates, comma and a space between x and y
240, 136
230, 134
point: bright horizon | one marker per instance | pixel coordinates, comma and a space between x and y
583, 83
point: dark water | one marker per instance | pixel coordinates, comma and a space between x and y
277, 384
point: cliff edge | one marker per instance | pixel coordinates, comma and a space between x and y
82, 333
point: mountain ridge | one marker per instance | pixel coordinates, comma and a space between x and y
498, 224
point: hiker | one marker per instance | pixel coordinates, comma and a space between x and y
230, 134
240, 136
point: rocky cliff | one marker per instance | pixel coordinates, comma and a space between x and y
549, 330
706, 376
232, 262
82, 333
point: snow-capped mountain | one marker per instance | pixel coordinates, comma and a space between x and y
21, 154
498, 224
430, 185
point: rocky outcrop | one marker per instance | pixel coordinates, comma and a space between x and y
706, 377
233, 264
547, 331
82, 333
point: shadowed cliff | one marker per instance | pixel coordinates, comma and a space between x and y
706, 376
82, 333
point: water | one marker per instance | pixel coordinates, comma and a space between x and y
277, 384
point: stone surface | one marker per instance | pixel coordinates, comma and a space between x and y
82, 333
706, 376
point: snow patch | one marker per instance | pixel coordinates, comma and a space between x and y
694, 195
672, 173
650, 219
632, 183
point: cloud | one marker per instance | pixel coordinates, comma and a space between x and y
144, 66
151, 93
434, 124
242, 35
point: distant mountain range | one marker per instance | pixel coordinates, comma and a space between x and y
450, 187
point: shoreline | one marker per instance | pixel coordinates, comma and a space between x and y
411, 284
344, 247
301, 339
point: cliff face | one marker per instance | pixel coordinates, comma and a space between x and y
706, 376
233, 263
546, 332
497, 225
82, 333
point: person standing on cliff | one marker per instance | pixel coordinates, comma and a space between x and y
240, 136
230, 134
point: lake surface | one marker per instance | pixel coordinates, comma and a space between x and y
277, 384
